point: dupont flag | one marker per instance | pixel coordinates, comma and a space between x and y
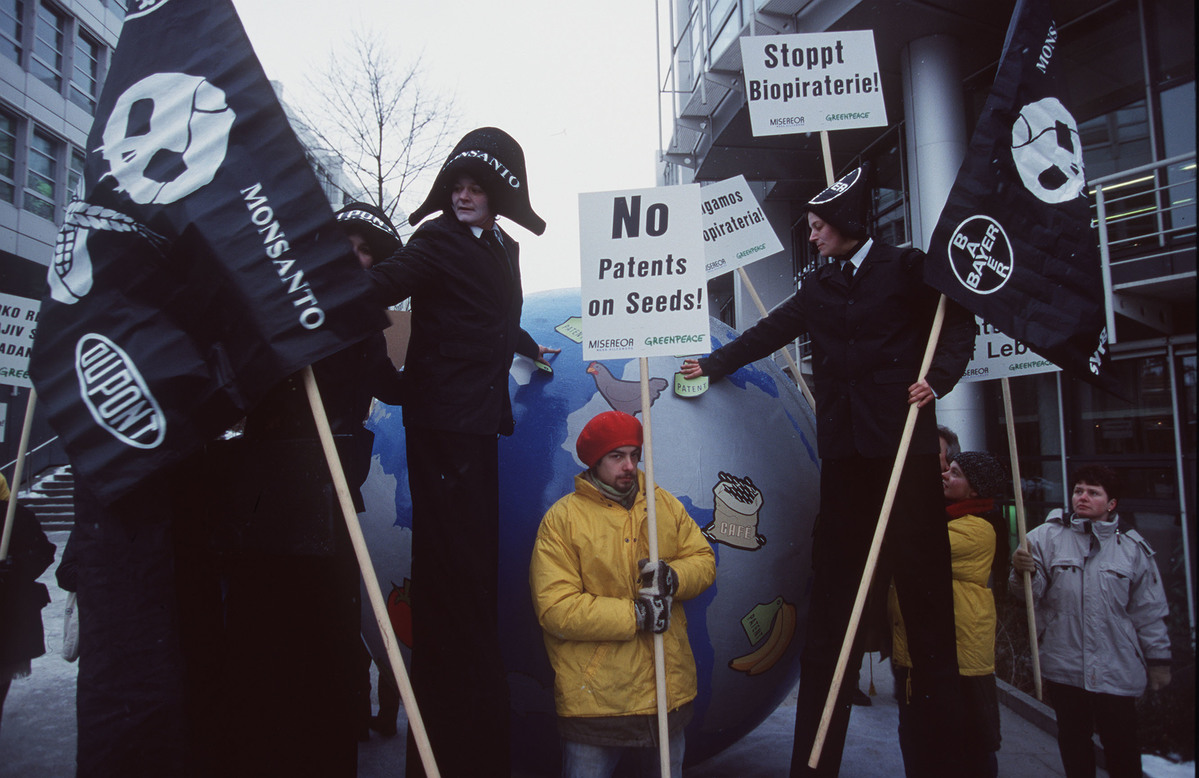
1014, 243
202, 265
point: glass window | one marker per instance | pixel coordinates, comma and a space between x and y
41, 180
86, 73
8, 157
1171, 33
1178, 129
889, 198
1104, 66
724, 25
75, 175
49, 34
11, 13
1038, 439
1115, 141
1106, 425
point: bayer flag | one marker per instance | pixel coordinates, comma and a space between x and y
1014, 243
202, 264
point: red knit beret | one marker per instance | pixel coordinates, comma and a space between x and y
607, 432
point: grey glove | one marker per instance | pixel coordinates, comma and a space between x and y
658, 578
653, 613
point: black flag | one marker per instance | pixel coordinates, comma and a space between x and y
202, 265
1014, 243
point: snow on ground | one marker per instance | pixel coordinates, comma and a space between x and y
1158, 767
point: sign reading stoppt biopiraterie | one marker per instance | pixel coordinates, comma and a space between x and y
812, 82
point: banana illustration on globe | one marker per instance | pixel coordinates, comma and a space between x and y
768, 654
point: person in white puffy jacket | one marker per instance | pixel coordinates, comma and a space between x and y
1101, 627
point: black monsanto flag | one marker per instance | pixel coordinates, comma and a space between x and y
1014, 243
203, 264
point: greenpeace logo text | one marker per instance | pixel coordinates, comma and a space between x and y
116, 394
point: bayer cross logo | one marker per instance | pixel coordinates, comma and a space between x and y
981, 255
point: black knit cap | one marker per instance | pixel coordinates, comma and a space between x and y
372, 224
494, 159
984, 471
845, 204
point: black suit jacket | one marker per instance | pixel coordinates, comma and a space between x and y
868, 340
466, 306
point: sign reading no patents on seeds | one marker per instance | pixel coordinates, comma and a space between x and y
812, 81
643, 280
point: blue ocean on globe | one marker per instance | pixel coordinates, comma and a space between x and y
741, 457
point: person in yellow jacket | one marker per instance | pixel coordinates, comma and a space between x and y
971, 483
600, 601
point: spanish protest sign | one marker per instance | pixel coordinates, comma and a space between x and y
643, 279
736, 231
18, 325
812, 81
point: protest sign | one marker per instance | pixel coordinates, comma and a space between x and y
736, 231
18, 325
811, 82
643, 281
999, 356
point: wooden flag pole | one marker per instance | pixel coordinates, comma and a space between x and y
1018, 493
647, 456
18, 473
374, 593
803, 385
827, 152
876, 544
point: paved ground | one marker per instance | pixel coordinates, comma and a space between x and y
37, 738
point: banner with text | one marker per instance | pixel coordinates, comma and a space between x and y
203, 264
736, 231
18, 325
643, 280
1015, 243
813, 81
999, 356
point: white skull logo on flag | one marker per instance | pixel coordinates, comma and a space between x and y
1048, 151
166, 137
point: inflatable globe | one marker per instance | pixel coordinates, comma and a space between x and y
742, 459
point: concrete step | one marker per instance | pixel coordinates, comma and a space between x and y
51, 497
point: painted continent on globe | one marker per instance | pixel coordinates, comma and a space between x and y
741, 458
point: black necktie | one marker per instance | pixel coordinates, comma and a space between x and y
847, 271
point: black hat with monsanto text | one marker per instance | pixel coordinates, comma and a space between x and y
846, 203
372, 224
496, 161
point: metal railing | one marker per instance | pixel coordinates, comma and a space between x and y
1145, 219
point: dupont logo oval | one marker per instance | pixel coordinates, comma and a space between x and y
116, 394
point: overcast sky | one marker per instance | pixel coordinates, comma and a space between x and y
575, 84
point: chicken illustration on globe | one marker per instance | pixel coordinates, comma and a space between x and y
623, 396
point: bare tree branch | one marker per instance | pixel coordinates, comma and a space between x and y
373, 113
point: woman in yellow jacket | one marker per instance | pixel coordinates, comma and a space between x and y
599, 603
971, 483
